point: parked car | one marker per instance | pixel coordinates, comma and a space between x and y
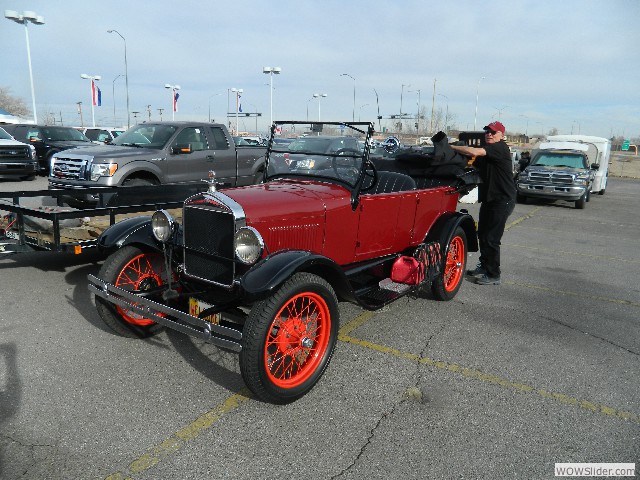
17, 159
102, 134
260, 269
47, 140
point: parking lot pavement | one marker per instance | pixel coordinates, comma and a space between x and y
501, 382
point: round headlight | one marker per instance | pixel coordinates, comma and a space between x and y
248, 245
162, 225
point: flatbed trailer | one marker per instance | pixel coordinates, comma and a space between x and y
40, 220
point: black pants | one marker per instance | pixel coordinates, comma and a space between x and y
491, 222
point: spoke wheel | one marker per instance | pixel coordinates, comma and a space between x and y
131, 269
447, 284
289, 339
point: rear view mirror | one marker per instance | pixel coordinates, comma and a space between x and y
595, 166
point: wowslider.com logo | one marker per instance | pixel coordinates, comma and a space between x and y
595, 470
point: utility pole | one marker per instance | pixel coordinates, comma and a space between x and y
149, 111
433, 104
80, 112
160, 110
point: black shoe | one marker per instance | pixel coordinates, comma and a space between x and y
487, 280
476, 272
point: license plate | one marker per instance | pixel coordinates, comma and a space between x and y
196, 306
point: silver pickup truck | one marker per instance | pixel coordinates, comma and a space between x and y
156, 154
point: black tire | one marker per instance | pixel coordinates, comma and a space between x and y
130, 268
138, 182
582, 202
285, 349
449, 281
28, 178
259, 177
521, 199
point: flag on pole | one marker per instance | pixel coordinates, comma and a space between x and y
96, 94
176, 95
239, 104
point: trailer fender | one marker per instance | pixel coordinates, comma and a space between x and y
267, 275
135, 230
443, 229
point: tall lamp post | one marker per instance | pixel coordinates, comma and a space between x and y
113, 93
25, 18
174, 98
354, 94
271, 71
319, 96
93, 78
475, 118
214, 95
126, 73
237, 91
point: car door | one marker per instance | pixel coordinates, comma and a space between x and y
189, 154
221, 158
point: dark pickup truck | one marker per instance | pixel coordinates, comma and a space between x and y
157, 154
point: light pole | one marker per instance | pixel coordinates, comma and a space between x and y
319, 96
113, 93
126, 73
94, 95
475, 118
174, 98
500, 111
401, 93
354, 94
418, 115
215, 95
237, 91
25, 18
271, 71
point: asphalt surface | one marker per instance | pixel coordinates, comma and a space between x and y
501, 382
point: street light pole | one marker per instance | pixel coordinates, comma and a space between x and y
93, 78
271, 71
237, 91
24, 19
354, 94
215, 95
475, 118
126, 74
113, 94
319, 96
174, 101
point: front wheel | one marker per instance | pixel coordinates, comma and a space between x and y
132, 269
582, 202
289, 338
448, 282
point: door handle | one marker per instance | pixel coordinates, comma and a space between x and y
211, 157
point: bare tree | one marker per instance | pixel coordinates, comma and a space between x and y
11, 104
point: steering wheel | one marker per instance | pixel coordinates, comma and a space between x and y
346, 156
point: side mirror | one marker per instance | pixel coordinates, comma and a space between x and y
595, 166
181, 149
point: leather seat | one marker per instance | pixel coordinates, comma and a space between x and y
389, 182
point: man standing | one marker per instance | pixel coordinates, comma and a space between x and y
497, 195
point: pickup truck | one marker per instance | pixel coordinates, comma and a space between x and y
260, 269
17, 159
157, 154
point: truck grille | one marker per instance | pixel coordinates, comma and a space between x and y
69, 168
208, 244
550, 177
12, 154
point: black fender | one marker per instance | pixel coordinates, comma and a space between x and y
442, 230
134, 230
267, 275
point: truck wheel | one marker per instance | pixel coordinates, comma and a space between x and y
521, 199
131, 269
289, 338
137, 182
447, 283
581, 203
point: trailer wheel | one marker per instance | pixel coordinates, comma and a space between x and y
447, 284
289, 338
131, 268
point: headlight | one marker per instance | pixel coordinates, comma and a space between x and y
103, 170
248, 245
162, 225
305, 164
33, 152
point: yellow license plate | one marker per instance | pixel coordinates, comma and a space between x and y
196, 306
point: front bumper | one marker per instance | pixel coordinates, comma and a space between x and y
18, 169
175, 319
552, 192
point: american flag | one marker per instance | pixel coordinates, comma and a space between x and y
96, 94
176, 95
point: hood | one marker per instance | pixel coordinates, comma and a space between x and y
66, 144
107, 152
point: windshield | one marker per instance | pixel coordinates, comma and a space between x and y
551, 159
146, 135
4, 135
61, 134
328, 150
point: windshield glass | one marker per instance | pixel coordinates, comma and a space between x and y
4, 135
549, 159
146, 135
328, 150
63, 134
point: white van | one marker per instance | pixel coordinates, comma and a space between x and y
599, 152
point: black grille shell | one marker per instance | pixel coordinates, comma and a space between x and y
208, 243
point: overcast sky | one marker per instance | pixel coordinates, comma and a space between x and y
565, 64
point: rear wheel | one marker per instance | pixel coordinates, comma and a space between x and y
131, 269
289, 338
448, 282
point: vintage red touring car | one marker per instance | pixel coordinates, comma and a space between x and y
260, 269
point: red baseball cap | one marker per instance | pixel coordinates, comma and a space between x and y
495, 127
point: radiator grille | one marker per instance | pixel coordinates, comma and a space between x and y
208, 243
14, 153
69, 168
557, 178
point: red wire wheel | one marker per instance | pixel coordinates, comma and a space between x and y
449, 281
289, 338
